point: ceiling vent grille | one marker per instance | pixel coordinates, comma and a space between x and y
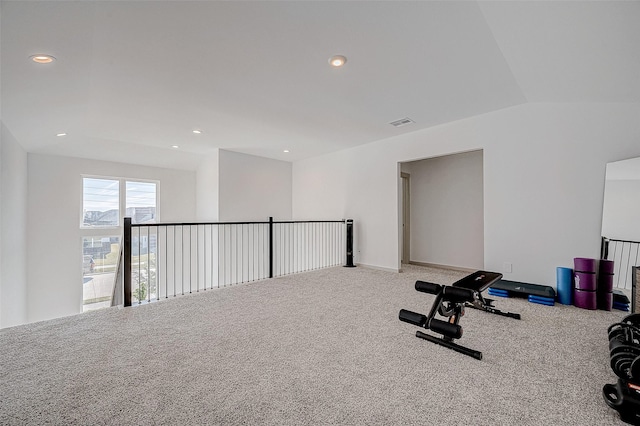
402, 122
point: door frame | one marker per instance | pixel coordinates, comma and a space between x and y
406, 218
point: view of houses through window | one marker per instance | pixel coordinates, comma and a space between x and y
103, 201
99, 259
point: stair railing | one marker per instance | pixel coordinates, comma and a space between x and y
162, 260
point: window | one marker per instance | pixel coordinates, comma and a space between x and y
104, 202
141, 202
100, 202
99, 259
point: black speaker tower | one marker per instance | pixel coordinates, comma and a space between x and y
349, 264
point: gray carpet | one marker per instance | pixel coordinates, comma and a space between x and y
323, 347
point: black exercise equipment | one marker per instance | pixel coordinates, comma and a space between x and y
624, 350
450, 303
624, 397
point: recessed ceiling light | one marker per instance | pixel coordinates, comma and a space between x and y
175, 146
61, 134
43, 59
286, 150
337, 61
197, 132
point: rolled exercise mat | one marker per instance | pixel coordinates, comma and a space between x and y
606, 267
582, 264
605, 300
605, 283
585, 299
585, 281
564, 285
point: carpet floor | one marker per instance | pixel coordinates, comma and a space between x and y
323, 347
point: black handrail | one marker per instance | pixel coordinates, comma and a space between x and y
604, 245
270, 247
151, 225
621, 241
322, 253
127, 261
635, 271
623, 263
118, 285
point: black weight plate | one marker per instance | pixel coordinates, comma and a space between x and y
633, 319
611, 397
622, 360
634, 369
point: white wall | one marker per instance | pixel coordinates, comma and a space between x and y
253, 188
13, 231
447, 223
544, 169
621, 211
1, 208
54, 210
326, 180
207, 181
1, 128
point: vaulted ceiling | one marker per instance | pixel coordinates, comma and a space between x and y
133, 78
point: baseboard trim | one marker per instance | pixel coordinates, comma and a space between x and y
428, 265
436, 265
379, 268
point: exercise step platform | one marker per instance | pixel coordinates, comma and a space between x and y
497, 293
621, 306
518, 289
620, 297
548, 301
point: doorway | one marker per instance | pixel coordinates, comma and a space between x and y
441, 211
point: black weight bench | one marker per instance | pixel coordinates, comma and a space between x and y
450, 303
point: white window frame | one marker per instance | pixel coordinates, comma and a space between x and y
110, 231
122, 195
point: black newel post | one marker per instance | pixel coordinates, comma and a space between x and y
270, 247
349, 264
604, 248
126, 257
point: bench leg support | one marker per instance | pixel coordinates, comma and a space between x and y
448, 344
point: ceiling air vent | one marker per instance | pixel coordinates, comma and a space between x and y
402, 122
